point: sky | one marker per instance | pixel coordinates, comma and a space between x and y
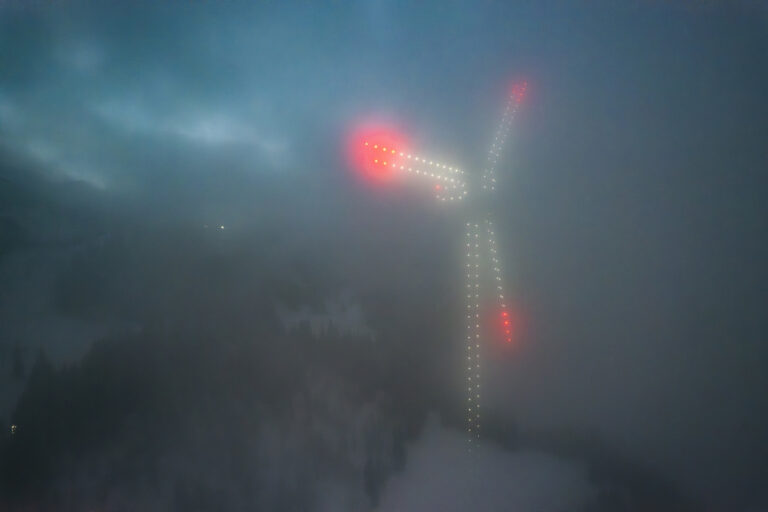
632, 212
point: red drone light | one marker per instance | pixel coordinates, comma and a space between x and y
518, 91
373, 151
516, 332
510, 323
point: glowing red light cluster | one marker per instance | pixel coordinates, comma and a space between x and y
381, 154
518, 91
375, 152
507, 324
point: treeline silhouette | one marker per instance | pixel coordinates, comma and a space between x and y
104, 428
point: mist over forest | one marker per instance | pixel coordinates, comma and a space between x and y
203, 307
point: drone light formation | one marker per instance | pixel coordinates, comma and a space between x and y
383, 153
374, 151
383, 156
516, 96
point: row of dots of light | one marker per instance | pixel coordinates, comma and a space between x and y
496, 265
473, 332
448, 180
457, 192
456, 187
489, 173
516, 97
387, 151
449, 198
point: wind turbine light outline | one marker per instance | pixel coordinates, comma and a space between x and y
382, 154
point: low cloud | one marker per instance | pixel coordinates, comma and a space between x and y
441, 474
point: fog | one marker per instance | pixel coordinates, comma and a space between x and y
203, 307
